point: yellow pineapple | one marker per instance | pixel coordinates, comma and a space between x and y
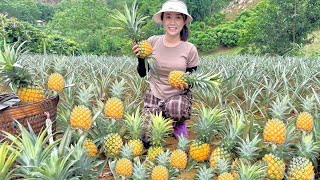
274, 132
160, 173
219, 153
114, 107
17, 76
202, 80
56, 82
305, 120
179, 157
134, 125
124, 166
208, 122
81, 118
112, 144
90, 148
131, 21
159, 130
300, 168
276, 167
226, 176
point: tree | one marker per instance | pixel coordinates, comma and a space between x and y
25, 10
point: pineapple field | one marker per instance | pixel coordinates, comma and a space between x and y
260, 122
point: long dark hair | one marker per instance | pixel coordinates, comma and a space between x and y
184, 33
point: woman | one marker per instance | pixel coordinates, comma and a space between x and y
171, 51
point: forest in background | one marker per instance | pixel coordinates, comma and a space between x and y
85, 27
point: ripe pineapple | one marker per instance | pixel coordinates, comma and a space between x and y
179, 157
202, 80
163, 170
130, 21
274, 132
81, 118
112, 144
134, 125
208, 122
276, 167
17, 76
305, 120
114, 107
300, 168
56, 82
160, 173
159, 130
226, 176
124, 165
90, 148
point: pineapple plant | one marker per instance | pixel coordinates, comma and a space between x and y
179, 157
114, 107
201, 80
124, 166
159, 130
17, 76
134, 125
90, 148
163, 170
139, 171
131, 21
251, 171
207, 124
305, 119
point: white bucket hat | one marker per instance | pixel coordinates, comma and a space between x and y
172, 6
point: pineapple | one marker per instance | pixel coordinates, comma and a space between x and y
90, 148
208, 122
300, 168
274, 132
159, 130
179, 157
226, 176
56, 82
81, 118
204, 173
114, 107
202, 80
134, 125
130, 21
17, 76
112, 144
161, 171
276, 167
217, 154
305, 119
124, 165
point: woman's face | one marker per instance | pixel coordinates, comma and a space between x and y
173, 23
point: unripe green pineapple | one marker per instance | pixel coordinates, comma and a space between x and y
300, 168
219, 153
112, 144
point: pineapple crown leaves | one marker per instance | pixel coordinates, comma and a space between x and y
160, 129
279, 108
164, 158
208, 123
182, 142
205, 80
85, 94
10, 55
308, 148
134, 124
308, 104
118, 89
9, 156
204, 173
222, 165
248, 149
129, 20
139, 171
126, 151
250, 171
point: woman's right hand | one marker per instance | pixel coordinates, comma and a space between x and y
135, 49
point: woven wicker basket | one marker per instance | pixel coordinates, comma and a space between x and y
32, 113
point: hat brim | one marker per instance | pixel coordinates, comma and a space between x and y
157, 17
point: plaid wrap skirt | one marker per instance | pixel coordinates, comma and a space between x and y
177, 108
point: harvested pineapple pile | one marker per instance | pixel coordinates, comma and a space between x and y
263, 122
